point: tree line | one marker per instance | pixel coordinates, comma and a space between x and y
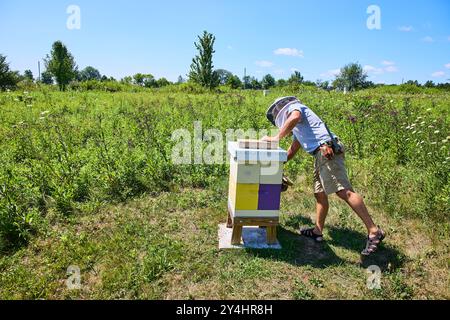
62, 69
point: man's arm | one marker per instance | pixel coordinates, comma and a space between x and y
293, 149
294, 118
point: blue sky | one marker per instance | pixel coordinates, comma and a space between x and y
315, 37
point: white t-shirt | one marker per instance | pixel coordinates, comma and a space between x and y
311, 131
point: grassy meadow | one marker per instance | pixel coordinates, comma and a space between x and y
86, 179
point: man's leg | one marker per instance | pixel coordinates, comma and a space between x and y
356, 202
322, 207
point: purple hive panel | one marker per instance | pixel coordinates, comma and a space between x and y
269, 197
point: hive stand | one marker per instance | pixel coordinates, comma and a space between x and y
256, 172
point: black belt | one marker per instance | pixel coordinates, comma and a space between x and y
318, 148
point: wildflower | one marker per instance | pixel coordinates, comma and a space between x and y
414, 132
434, 143
43, 113
437, 131
429, 153
444, 141
429, 109
422, 123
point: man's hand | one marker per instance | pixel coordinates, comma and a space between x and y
327, 151
270, 139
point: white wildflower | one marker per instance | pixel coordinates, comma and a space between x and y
437, 131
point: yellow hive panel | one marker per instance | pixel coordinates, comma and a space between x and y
232, 191
246, 196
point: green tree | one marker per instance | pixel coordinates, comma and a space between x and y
268, 81
351, 77
429, 84
127, 80
234, 82
138, 79
223, 76
281, 83
61, 64
162, 82
247, 82
89, 73
46, 77
28, 75
325, 85
8, 78
202, 68
255, 84
180, 80
296, 78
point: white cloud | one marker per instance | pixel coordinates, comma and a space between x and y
387, 67
406, 28
264, 63
447, 66
391, 69
289, 52
438, 74
330, 73
387, 63
372, 69
428, 39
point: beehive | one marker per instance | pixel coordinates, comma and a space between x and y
255, 181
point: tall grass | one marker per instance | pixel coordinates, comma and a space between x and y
71, 152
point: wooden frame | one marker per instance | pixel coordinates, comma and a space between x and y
237, 223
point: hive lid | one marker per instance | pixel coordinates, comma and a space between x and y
241, 154
258, 144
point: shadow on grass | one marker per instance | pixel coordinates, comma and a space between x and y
301, 251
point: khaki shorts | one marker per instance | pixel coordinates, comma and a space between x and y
330, 176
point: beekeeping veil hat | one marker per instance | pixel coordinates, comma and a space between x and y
276, 107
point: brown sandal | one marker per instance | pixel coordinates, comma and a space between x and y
309, 233
373, 242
